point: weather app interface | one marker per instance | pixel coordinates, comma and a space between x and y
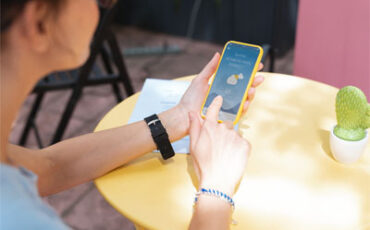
232, 79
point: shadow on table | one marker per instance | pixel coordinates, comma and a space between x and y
289, 114
325, 137
289, 123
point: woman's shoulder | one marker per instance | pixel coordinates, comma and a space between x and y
21, 205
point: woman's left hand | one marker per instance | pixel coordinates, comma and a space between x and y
194, 96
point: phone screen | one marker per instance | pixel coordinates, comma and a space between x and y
232, 78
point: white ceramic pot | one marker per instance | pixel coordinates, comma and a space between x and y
347, 151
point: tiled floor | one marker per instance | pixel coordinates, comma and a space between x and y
83, 207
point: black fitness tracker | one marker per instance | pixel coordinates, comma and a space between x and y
160, 136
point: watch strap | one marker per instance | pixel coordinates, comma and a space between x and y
160, 136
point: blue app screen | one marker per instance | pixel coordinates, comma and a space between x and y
232, 78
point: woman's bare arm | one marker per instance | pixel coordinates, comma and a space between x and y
81, 159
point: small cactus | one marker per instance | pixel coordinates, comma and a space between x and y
353, 114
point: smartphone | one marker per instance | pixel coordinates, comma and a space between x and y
234, 76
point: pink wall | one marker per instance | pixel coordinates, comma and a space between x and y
333, 42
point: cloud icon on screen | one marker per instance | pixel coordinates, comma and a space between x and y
233, 79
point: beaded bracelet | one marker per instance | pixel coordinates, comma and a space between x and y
215, 193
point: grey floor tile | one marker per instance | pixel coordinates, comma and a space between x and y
94, 213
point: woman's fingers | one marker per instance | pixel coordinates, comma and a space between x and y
260, 66
258, 81
251, 93
210, 68
246, 106
214, 109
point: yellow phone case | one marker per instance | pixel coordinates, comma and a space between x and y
249, 83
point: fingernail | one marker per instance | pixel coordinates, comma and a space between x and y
219, 98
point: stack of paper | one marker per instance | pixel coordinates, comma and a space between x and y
158, 96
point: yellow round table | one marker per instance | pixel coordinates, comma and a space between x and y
291, 181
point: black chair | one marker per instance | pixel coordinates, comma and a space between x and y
88, 75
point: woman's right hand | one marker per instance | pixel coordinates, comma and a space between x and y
219, 153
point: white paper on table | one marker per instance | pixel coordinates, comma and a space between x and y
158, 96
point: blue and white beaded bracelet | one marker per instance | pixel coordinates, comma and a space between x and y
214, 193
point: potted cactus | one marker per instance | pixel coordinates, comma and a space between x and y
349, 137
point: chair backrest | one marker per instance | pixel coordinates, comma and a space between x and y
333, 42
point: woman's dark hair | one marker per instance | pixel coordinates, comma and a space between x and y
11, 9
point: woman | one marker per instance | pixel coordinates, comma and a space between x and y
42, 36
